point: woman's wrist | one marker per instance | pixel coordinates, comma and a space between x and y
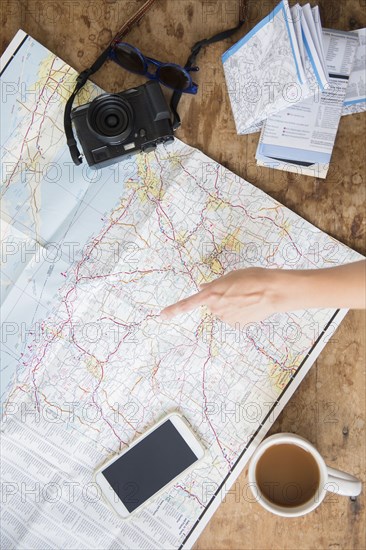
298, 289
334, 287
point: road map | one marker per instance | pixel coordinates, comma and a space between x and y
90, 258
264, 71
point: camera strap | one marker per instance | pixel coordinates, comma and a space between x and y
195, 50
84, 76
80, 81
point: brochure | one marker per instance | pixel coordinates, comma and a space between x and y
264, 70
355, 101
254, 96
303, 135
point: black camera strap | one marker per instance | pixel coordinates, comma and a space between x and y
80, 82
195, 50
84, 76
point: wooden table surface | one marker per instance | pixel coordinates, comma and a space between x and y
329, 406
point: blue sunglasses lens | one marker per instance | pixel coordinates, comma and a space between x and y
174, 77
129, 58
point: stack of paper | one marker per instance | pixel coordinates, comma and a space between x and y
355, 101
301, 137
279, 62
288, 78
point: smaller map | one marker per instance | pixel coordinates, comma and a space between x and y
264, 70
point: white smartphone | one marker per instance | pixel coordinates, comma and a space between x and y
152, 462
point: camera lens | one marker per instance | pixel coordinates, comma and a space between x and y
111, 117
112, 121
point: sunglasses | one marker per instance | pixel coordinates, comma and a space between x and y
169, 74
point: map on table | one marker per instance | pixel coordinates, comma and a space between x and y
90, 258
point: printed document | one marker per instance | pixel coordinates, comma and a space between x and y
355, 101
301, 137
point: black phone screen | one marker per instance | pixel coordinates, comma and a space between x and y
148, 466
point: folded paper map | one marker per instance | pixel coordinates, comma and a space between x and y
253, 94
269, 68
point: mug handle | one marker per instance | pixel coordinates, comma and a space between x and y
345, 484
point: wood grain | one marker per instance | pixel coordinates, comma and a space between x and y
329, 407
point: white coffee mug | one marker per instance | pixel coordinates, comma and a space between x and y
330, 479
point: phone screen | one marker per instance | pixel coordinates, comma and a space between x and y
148, 466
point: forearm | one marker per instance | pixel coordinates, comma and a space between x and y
337, 287
253, 294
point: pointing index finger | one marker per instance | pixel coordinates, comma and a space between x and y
185, 305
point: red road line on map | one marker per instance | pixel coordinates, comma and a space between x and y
143, 272
31, 123
190, 494
58, 84
205, 410
246, 212
96, 241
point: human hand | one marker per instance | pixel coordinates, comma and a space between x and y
241, 296
249, 295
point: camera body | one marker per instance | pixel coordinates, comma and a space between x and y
114, 126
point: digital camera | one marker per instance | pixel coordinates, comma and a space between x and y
114, 126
